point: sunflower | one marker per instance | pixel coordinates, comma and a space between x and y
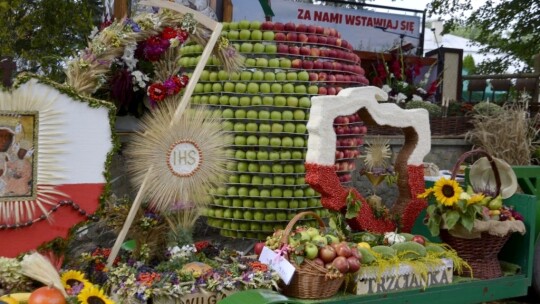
72, 278
426, 194
93, 295
475, 198
447, 191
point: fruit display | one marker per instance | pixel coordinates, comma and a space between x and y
324, 248
265, 106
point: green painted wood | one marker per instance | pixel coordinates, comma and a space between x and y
528, 178
257, 296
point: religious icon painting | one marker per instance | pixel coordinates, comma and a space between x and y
54, 149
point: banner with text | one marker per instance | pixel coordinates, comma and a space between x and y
365, 30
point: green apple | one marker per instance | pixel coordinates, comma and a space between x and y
288, 88
300, 128
300, 89
237, 202
239, 127
232, 191
265, 168
245, 178
267, 181
256, 101
240, 87
245, 34
242, 167
223, 100
299, 115
252, 140
284, 63
218, 213
252, 127
253, 88
255, 25
254, 168
250, 62
264, 115
285, 155
199, 88
265, 88
281, 216
240, 114
283, 204
246, 75
247, 202
300, 180
277, 127
261, 62
292, 76
281, 76
258, 75
288, 127
233, 101
275, 142
287, 115
264, 127
244, 101
239, 154
264, 193
311, 251
287, 141
277, 168
270, 48
213, 99
253, 192
254, 226
273, 63
204, 75
292, 101
275, 115
268, 35
257, 35
233, 25
258, 215
227, 113
288, 192
280, 101
313, 90
303, 204
276, 88
278, 180
213, 76
251, 155
248, 215
252, 114
299, 168
274, 155
233, 35
266, 100
293, 204
288, 168
239, 140
264, 141
256, 180
304, 102
303, 76
233, 179
269, 216
299, 142
234, 76
271, 204
262, 155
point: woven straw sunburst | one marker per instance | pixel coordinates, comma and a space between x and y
377, 154
151, 149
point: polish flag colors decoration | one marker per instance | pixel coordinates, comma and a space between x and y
54, 147
320, 158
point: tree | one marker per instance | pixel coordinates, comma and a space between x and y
508, 28
39, 34
469, 65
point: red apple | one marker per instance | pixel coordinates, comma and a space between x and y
332, 40
327, 254
315, 52
326, 31
289, 26
291, 36
338, 42
332, 32
311, 29
324, 52
331, 91
296, 63
338, 66
319, 29
305, 50
294, 50
328, 65
322, 39
331, 78
419, 239
278, 27
283, 48
267, 26
341, 264
332, 53
258, 248
280, 37
323, 91
313, 76
312, 38
318, 64
319, 262
302, 37
354, 264
301, 28
307, 65
322, 76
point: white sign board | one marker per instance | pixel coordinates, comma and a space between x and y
278, 263
362, 28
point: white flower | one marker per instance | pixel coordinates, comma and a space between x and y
416, 98
401, 97
386, 88
139, 80
421, 90
174, 42
403, 84
129, 56
93, 33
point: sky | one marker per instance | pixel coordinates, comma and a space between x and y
416, 4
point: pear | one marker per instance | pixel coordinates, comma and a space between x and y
496, 203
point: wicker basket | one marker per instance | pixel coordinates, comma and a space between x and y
481, 253
310, 281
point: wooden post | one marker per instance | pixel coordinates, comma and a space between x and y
227, 10
8, 68
120, 9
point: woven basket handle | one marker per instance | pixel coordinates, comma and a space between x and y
296, 218
466, 155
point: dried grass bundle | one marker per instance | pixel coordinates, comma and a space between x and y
39, 268
509, 134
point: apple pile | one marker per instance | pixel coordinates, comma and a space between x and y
265, 106
325, 249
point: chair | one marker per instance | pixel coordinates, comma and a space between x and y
500, 85
477, 85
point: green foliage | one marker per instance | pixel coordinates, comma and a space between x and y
40, 33
469, 65
433, 109
508, 28
487, 108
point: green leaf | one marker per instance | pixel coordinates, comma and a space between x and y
434, 225
298, 259
467, 221
332, 223
431, 210
462, 205
451, 218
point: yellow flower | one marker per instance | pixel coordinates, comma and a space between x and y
475, 198
426, 193
93, 295
71, 278
447, 191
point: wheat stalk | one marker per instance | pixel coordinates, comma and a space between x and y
39, 268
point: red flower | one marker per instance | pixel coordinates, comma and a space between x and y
168, 33
433, 88
396, 69
157, 92
201, 245
377, 81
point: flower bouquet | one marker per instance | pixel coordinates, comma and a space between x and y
475, 224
